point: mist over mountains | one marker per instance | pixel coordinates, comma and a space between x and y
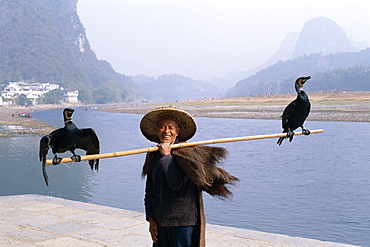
45, 41
321, 50
319, 36
324, 36
174, 87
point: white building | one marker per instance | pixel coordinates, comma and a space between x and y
71, 96
30, 90
34, 90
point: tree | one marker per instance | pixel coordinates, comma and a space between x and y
51, 97
106, 95
22, 100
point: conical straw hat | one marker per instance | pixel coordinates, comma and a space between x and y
149, 123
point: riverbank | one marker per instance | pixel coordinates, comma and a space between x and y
346, 107
14, 121
334, 106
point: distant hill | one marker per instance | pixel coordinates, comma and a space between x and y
319, 35
321, 47
44, 41
324, 36
174, 87
279, 78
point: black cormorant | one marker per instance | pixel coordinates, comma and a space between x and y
69, 138
296, 112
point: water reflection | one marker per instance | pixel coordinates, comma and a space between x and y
315, 187
21, 172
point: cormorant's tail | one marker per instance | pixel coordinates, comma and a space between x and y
94, 164
46, 178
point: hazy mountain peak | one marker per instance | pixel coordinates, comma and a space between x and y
285, 51
322, 35
361, 45
289, 42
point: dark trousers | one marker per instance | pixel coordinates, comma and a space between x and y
177, 236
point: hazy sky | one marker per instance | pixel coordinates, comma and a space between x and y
205, 38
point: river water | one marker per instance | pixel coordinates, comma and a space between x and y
316, 187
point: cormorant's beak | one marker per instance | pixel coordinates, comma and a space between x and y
68, 114
304, 79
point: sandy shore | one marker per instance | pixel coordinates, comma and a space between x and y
12, 124
349, 107
318, 113
325, 106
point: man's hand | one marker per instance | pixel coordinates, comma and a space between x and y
153, 229
164, 148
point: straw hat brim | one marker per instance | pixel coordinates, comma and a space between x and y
149, 123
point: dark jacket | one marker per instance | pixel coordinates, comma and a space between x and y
170, 196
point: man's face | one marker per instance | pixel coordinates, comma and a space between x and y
168, 130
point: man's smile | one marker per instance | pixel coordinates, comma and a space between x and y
168, 130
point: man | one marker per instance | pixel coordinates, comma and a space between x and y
175, 178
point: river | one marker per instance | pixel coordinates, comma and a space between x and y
317, 186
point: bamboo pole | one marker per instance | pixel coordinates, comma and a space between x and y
180, 145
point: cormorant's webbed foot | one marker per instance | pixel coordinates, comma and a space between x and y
76, 158
306, 131
56, 160
290, 135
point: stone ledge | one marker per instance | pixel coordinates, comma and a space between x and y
37, 220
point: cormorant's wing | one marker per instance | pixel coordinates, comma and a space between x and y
308, 111
287, 113
44, 148
89, 141
46, 143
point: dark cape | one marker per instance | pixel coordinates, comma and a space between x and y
200, 164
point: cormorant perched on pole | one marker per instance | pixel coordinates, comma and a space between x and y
296, 112
69, 138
